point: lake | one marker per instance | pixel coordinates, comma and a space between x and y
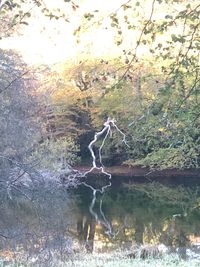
62, 221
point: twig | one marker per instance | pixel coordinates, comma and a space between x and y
137, 44
13, 81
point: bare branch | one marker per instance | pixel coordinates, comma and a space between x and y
13, 81
137, 44
107, 129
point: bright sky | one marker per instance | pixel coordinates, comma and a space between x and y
46, 41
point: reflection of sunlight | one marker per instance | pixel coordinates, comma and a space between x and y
101, 241
195, 240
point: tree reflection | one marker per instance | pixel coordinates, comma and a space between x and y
59, 222
147, 214
86, 232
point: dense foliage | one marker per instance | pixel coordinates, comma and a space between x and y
158, 107
147, 88
151, 89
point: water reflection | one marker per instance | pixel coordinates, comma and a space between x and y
58, 222
147, 214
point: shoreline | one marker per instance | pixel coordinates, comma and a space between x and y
125, 170
126, 174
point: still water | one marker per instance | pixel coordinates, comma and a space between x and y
60, 220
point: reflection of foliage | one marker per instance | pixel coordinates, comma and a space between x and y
138, 214
28, 233
168, 195
151, 213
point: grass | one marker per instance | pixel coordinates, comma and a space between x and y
110, 260
104, 260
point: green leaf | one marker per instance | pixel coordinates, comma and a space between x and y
24, 22
119, 42
174, 38
28, 14
113, 25
169, 17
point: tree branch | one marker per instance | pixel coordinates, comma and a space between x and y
13, 81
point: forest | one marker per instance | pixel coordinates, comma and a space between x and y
68, 67
151, 89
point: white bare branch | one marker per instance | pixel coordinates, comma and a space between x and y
106, 130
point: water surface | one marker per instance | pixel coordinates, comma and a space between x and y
60, 220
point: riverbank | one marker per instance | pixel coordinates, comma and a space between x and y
125, 170
125, 173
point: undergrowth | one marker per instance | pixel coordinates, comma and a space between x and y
109, 260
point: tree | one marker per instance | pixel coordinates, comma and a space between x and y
19, 130
165, 126
16, 14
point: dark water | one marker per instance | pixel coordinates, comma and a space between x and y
60, 220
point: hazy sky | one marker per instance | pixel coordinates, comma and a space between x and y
46, 41
50, 41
